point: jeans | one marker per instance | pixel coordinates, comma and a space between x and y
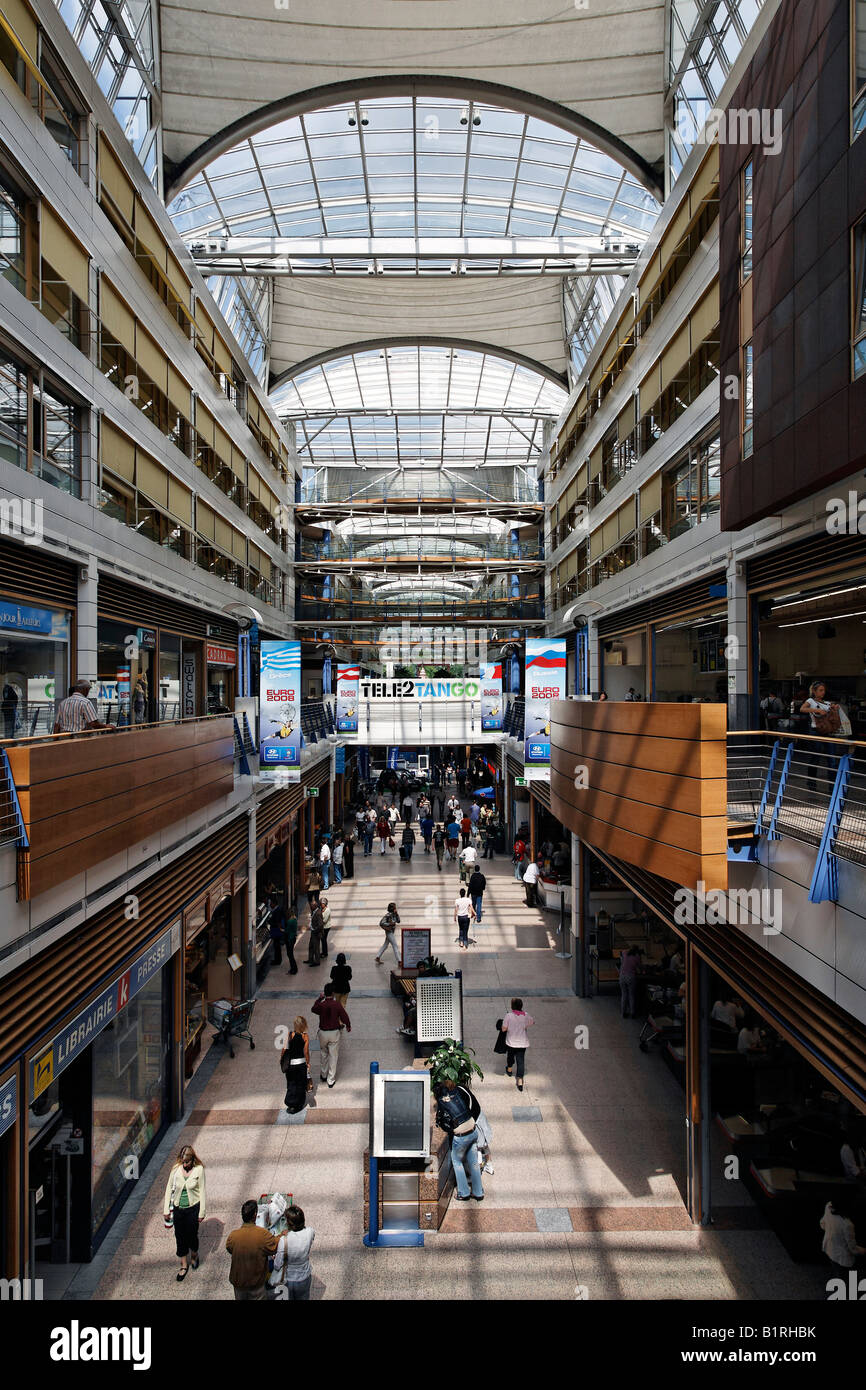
463, 929
517, 874
488, 850
408, 851
326, 874
368, 843
390, 940
329, 1042
464, 1160
278, 955
476, 903
290, 952
298, 1289
338, 873
628, 990
518, 1054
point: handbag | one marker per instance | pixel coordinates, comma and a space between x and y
500, 1045
168, 1221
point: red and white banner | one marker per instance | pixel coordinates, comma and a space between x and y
221, 656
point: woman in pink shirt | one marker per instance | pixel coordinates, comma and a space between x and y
514, 1026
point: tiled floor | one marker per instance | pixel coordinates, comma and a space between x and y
587, 1195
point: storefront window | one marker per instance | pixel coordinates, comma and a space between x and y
816, 634
125, 673
130, 1085
690, 662
34, 667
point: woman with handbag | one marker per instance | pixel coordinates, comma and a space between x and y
295, 1066
184, 1207
292, 1274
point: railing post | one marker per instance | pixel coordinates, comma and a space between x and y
825, 879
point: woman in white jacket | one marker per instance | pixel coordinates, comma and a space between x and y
184, 1206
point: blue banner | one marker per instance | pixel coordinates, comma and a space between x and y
280, 708
21, 618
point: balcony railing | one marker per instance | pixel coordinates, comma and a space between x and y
808, 789
383, 552
435, 489
86, 797
359, 610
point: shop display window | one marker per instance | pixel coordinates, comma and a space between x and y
130, 1084
34, 667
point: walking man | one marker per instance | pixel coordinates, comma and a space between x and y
463, 912
369, 832
389, 924
477, 884
332, 1020
325, 864
408, 841
428, 825
452, 831
338, 862
249, 1246
314, 950
439, 845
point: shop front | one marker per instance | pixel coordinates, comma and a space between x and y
159, 659
689, 659
670, 648
214, 956
34, 666
814, 632
99, 1098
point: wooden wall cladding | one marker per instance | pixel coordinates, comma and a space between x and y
656, 784
86, 798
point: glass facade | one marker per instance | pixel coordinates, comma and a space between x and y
34, 666
130, 1094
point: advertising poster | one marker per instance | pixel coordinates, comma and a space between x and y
347, 699
545, 681
491, 695
280, 709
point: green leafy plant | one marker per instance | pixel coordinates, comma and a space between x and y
432, 965
452, 1062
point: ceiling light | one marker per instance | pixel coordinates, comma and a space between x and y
365, 119
476, 120
352, 121
464, 116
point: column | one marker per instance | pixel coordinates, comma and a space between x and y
738, 650
86, 651
698, 1109
578, 916
593, 663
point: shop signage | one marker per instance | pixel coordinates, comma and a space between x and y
520, 781
80, 1033
24, 619
189, 681
347, 699
146, 639
491, 695
464, 689
280, 709
8, 1103
221, 656
545, 681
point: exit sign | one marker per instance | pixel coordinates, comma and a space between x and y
520, 781
312, 791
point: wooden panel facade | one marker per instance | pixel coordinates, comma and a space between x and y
655, 792
86, 797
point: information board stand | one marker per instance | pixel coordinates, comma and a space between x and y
376, 1239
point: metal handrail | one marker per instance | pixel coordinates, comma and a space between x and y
117, 728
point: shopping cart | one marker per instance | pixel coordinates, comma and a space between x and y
231, 1021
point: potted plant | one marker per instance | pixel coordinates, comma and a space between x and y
452, 1062
432, 966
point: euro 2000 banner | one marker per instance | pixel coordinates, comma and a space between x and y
491, 695
347, 699
545, 681
280, 709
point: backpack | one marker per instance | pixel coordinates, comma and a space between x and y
448, 1117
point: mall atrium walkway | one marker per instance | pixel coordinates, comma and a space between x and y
588, 1184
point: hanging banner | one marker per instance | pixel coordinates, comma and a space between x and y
347, 699
491, 695
280, 709
545, 681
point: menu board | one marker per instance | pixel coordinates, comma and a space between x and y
415, 946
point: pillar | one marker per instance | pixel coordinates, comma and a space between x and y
85, 627
592, 657
738, 652
579, 904
698, 1110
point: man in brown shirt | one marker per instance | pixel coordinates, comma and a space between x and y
332, 1019
249, 1246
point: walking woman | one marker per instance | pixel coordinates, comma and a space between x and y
292, 1276
184, 1207
348, 856
383, 830
297, 1067
514, 1026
